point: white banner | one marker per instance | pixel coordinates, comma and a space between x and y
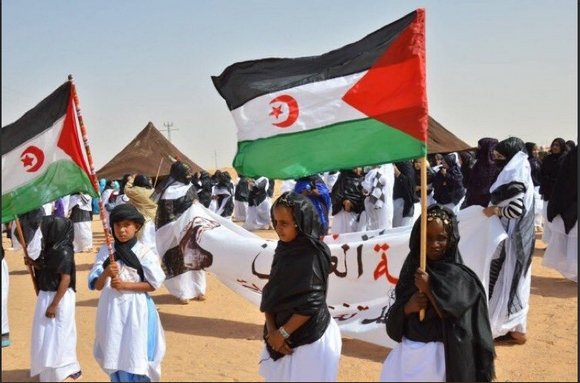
365, 265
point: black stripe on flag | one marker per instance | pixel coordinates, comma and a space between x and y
36, 120
244, 81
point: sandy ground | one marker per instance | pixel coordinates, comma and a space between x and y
220, 339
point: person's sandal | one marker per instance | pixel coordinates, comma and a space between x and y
74, 377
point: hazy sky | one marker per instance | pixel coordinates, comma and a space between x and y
495, 68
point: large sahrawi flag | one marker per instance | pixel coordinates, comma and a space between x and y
43, 156
365, 266
362, 104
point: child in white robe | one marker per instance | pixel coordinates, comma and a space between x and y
53, 354
129, 339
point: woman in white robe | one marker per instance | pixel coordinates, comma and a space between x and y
129, 339
258, 213
512, 200
81, 208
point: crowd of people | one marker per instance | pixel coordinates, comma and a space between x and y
529, 191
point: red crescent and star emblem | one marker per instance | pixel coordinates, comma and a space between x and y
32, 158
277, 110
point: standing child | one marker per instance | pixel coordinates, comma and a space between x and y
53, 347
453, 342
129, 339
303, 341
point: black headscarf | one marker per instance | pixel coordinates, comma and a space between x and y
179, 172
535, 163
448, 187
142, 181
29, 222
298, 280
123, 250
57, 255
465, 329
242, 190
509, 148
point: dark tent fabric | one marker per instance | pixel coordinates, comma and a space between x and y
441, 140
150, 152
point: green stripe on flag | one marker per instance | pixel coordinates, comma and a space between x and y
340, 146
61, 178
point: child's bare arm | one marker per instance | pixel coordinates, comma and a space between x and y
61, 290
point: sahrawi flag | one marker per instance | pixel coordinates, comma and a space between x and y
43, 156
362, 104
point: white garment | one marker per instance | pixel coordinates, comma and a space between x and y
240, 211
287, 185
345, 222
330, 179
258, 217
538, 207
53, 345
147, 235
5, 286
188, 285
516, 170
379, 215
412, 361
455, 207
398, 219
83, 239
121, 329
314, 362
47, 208
547, 231
562, 253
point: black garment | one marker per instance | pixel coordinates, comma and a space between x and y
242, 190
204, 189
271, 187
298, 281
79, 215
448, 187
347, 186
550, 167
57, 254
564, 199
535, 164
430, 175
483, 174
405, 187
467, 162
465, 330
169, 210
258, 193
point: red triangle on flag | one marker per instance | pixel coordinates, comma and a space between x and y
70, 140
393, 91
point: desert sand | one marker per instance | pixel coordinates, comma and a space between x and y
220, 339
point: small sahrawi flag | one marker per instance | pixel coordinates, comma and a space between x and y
362, 104
43, 156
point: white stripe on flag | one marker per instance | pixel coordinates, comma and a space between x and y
15, 174
319, 104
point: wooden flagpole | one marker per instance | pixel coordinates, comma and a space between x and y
158, 170
423, 253
92, 175
24, 247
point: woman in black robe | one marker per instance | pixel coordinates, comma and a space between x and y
302, 340
482, 175
453, 342
448, 187
348, 201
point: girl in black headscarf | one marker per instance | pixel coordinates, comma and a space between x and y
453, 342
404, 197
54, 326
303, 342
483, 174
